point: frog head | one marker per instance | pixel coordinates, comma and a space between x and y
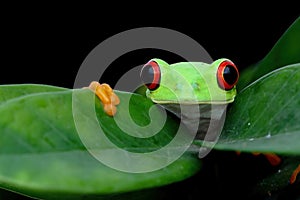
190, 82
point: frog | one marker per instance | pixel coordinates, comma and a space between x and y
196, 92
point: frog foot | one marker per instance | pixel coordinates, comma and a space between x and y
294, 175
273, 159
107, 96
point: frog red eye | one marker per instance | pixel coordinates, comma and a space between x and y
150, 75
227, 75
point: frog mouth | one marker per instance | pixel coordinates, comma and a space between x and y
186, 102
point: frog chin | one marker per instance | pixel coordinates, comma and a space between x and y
203, 120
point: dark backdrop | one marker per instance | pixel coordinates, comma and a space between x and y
48, 46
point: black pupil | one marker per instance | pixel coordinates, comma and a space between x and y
147, 74
230, 74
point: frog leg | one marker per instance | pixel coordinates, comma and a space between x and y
107, 96
294, 175
273, 159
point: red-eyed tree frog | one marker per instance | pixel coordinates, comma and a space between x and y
196, 92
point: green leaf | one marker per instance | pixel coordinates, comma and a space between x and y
285, 52
265, 115
141, 90
42, 155
8, 92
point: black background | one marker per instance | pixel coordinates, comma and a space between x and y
47, 45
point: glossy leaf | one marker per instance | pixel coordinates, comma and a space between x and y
285, 52
265, 115
8, 92
42, 155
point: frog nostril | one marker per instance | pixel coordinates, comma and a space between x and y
196, 86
